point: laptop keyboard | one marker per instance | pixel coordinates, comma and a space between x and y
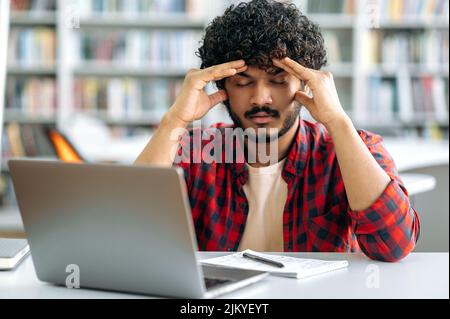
212, 282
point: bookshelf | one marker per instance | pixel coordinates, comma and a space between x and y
405, 51
4, 30
102, 53
26, 19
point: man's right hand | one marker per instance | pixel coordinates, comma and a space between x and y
193, 103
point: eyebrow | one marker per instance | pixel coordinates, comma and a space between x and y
246, 75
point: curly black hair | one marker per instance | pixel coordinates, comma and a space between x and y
260, 30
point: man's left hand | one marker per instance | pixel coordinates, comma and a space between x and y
324, 105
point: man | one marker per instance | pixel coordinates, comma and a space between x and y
331, 187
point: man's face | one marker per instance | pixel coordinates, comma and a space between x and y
262, 100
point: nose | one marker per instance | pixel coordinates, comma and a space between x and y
261, 95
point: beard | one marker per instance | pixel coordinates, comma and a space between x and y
267, 138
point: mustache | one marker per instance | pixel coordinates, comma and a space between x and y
265, 109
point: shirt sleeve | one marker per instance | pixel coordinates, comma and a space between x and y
183, 158
389, 229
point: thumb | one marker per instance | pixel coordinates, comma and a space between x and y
304, 99
218, 97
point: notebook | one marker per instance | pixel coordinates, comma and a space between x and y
12, 252
293, 267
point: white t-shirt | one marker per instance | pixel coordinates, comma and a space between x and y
266, 192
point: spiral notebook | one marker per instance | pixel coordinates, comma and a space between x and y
293, 267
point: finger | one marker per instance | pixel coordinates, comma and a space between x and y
240, 70
216, 73
307, 83
285, 67
218, 97
233, 64
304, 99
300, 69
207, 76
243, 69
302, 72
225, 66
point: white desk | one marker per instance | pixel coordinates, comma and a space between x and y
410, 154
419, 275
418, 183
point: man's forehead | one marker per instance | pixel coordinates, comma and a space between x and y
255, 72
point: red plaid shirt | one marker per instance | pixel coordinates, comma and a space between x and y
317, 216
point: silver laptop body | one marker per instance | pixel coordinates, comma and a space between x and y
123, 228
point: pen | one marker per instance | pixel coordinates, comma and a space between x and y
263, 260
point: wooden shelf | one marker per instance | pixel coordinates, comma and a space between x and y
412, 69
332, 21
32, 70
20, 117
414, 24
110, 70
394, 123
33, 19
343, 69
145, 119
162, 21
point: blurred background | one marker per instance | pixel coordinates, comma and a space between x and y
89, 80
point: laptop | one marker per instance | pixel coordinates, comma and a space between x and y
122, 228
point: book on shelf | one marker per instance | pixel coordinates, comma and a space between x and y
154, 49
333, 47
383, 103
33, 5
339, 46
429, 98
31, 96
440, 96
133, 8
17, 148
407, 10
409, 99
125, 98
19, 140
428, 49
32, 47
26, 140
334, 7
